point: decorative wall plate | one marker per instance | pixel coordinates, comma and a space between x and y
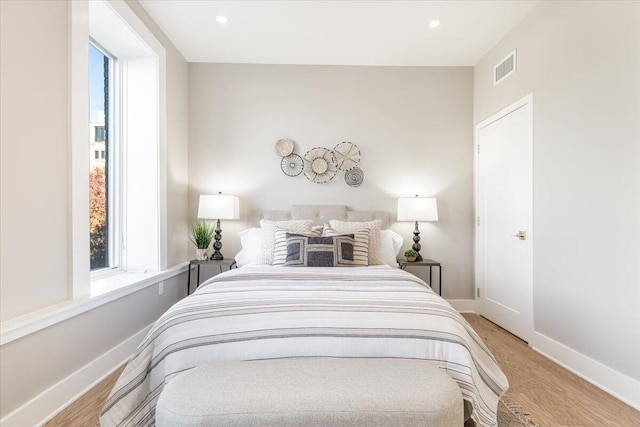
319, 166
284, 147
292, 165
354, 177
346, 155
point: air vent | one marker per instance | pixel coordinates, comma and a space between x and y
505, 68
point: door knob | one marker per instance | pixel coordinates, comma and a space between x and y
522, 235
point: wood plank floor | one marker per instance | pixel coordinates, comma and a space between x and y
551, 394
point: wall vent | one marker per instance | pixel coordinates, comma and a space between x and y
505, 68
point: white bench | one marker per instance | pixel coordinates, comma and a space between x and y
312, 392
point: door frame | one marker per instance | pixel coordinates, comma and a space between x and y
528, 99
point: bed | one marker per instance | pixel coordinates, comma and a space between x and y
261, 311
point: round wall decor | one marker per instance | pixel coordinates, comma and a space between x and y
284, 147
319, 166
346, 155
354, 177
292, 165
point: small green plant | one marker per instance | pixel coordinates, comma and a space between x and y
410, 253
201, 234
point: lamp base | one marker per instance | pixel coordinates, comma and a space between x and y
217, 245
416, 242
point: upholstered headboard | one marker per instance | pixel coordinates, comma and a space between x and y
320, 214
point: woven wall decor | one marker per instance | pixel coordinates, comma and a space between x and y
354, 177
346, 155
292, 165
319, 166
284, 147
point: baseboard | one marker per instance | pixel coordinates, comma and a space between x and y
52, 401
463, 305
602, 376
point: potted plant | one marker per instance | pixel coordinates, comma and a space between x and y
410, 255
201, 236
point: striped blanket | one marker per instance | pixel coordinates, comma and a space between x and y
256, 313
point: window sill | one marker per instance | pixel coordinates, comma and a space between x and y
103, 291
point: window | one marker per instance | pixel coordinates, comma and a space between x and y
118, 87
99, 130
103, 202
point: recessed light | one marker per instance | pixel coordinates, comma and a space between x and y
435, 23
221, 19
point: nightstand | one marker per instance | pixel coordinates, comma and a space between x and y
228, 263
425, 263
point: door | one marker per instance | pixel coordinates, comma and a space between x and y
504, 255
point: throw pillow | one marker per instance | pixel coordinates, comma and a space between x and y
320, 251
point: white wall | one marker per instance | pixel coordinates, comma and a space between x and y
34, 144
35, 199
581, 60
413, 126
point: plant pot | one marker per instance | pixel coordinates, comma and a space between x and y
411, 259
202, 255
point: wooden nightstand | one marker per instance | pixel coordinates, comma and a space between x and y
228, 263
425, 263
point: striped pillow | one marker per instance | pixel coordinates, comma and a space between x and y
268, 236
320, 251
374, 235
280, 246
361, 244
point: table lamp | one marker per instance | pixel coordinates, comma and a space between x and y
219, 206
417, 209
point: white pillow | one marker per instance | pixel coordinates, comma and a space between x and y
374, 235
251, 241
390, 245
269, 230
280, 243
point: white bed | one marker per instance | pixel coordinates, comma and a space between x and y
265, 312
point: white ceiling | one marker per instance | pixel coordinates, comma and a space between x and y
337, 32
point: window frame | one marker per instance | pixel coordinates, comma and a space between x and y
112, 155
144, 238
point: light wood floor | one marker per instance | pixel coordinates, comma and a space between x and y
551, 394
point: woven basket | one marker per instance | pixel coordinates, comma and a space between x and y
284, 147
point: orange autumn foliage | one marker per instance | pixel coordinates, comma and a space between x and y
98, 217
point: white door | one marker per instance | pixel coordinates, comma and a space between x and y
504, 255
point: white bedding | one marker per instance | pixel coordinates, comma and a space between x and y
255, 313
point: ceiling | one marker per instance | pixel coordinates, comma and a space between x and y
337, 32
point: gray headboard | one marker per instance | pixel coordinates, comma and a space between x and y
320, 214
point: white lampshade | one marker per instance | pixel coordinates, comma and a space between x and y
417, 209
219, 206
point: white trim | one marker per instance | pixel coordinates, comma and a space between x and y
52, 401
19, 327
615, 383
463, 305
136, 24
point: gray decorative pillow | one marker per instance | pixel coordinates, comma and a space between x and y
280, 246
307, 251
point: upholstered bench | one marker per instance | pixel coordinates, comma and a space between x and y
312, 392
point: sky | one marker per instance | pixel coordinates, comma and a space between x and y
96, 83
